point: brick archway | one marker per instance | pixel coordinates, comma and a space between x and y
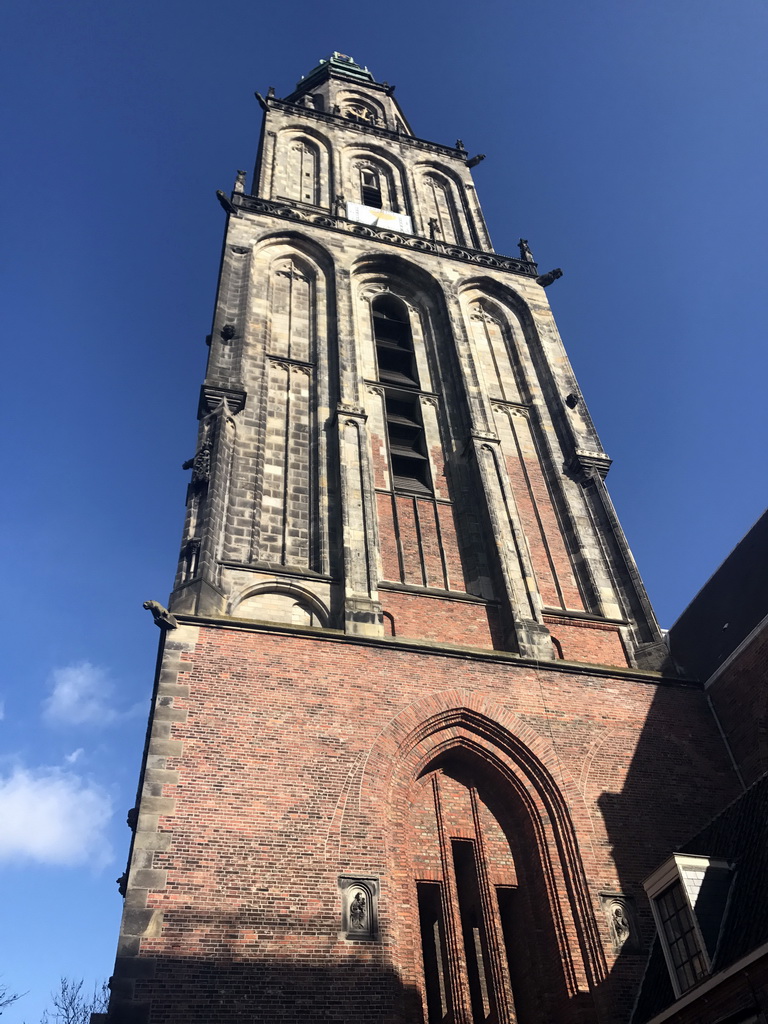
515, 792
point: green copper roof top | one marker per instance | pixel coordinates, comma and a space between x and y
340, 64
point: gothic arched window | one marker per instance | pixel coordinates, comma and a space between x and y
370, 188
394, 341
397, 371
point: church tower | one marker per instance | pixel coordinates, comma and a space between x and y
408, 661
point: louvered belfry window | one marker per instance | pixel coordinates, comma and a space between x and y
370, 187
397, 371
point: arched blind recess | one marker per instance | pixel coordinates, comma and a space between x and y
303, 176
442, 209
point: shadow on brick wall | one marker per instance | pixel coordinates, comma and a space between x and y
678, 779
259, 990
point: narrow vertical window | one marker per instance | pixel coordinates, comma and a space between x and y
473, 929
394, 341
517, 941
370, 187
410, 465
433, 951
397, 370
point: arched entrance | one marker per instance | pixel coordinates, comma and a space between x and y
490, 911
487, 938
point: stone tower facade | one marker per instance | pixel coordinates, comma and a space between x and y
413, 740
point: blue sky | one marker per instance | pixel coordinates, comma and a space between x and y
625, 140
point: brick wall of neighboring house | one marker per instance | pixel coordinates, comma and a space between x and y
741, 995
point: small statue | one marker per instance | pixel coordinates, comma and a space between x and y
525, 252
476, 160
357, 913
163, 618
434, 228
240, 181
132, 818
271, 92
340, 205
460, 146
122, 883
545, 280
619, 925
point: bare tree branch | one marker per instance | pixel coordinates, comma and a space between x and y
7, 997
72, 1006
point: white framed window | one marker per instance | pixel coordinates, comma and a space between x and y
688, 895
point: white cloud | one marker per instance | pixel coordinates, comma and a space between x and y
74, 756
2, 710
53, 817
81, 695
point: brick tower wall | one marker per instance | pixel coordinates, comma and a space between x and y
280, 762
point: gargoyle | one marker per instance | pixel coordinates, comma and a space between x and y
162, 616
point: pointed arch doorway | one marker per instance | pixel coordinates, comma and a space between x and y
489, 949
491, 914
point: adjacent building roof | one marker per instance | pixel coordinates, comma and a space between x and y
739, 834
726, 609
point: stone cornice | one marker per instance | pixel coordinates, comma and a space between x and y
370, 129
214, 391
591, 463
287, 211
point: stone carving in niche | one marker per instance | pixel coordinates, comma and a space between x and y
359, 907
191, 556
360, 112
200, 464
480, 313
622, 922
